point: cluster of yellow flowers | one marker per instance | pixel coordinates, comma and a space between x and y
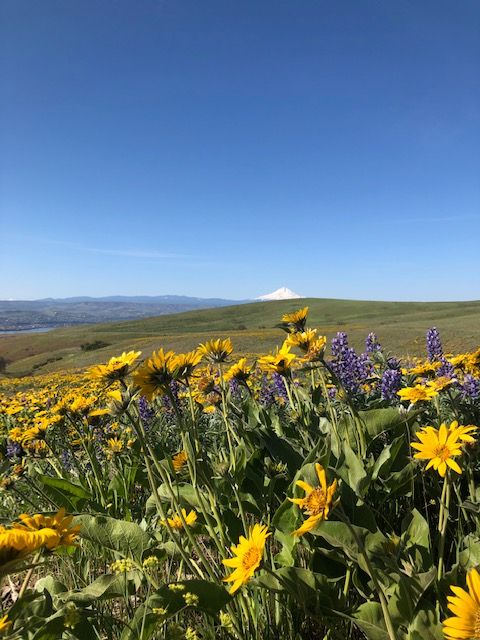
463, 363
33, 533
43, 402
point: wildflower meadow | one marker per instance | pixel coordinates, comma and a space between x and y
311, 493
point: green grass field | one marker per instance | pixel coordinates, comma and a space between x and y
400, 326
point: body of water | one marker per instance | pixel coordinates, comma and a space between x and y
13, 332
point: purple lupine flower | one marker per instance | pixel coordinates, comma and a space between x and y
267, 394
393, 363
66, 459
175, 387
13, 449
365, 366
351, 369
446, 369
434, 345
339, 344
372, 344
167, 402
234, 386
470, 389
279, 386
145, 411
332, 393
390, 384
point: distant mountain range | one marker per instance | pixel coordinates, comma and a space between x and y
26, 315
181, 300
49, 313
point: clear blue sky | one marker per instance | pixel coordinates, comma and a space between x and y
221, 148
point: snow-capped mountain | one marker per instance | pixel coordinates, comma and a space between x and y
280, 294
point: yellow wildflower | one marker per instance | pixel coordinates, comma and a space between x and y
418, 393
226, 621
248, 556
423, 368
176, 521
239, 371
438, 384
185, 363
302, 339
116, 368
216, 351
317, 501
465, 623
114, 445
16, 543
191, 599
295, 321
5, 623
179, 460
440, 446
156, 374
280, 362
60, 523
122, 566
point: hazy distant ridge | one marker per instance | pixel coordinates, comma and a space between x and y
165, 299
57, 312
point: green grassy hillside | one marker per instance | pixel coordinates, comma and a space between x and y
401, 328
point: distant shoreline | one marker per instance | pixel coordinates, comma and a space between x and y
35, 330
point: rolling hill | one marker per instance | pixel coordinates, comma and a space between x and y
401, 328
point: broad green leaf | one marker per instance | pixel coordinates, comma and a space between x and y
32, 605
286, 517
49, 583
425, 625
369, 618
352, 470
126, 538
66, 486
352, 540
285, 556
377, 421
184, 493
400, 482
405, 594
64, 493
312, 590
103, 588
281, 450
389, 456
470, 556
416, 539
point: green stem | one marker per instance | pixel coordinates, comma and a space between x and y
373, 575
240, 507
442, 524
140, 434
28, 576
346, 586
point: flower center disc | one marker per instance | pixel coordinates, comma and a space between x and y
442, 452
251, 558
315, 503
477, 625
